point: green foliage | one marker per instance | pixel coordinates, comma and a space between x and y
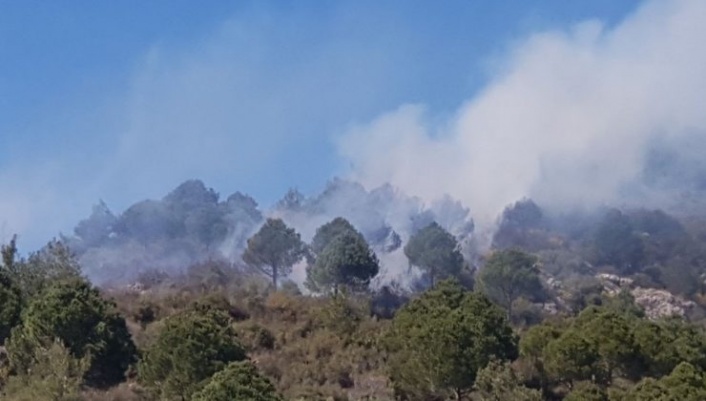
586, 391
74, 312
498, 382
603, 344
571, 358
10, 307
685, 383
535, 340
274, 249
347, 261
439, 341
445, 344
610, 333
10, 296
55, 262
190, 347
598, 345
663, 345
622, 303
533, 344
237, 381
508, 275
435, 251
326, 233
53, 375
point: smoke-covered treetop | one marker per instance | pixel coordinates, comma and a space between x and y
193, 223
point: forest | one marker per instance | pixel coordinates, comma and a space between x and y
356, 294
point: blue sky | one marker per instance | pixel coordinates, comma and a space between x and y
122, 100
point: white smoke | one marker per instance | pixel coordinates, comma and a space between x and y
568, 120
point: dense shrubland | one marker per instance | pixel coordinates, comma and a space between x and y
562, 307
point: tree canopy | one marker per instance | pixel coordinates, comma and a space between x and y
435, 251
74, 312
616, 243
508, 275
499, 382
329, 231
439, 342
238, 381
190, 347
347, 261
10, 296
274, 249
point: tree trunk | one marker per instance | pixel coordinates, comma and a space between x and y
274, 276
509, 297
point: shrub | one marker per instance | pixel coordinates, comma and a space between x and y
238, 381
75, 313
191, 347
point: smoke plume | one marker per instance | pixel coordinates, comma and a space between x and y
571, 118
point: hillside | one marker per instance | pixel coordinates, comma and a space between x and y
380, 297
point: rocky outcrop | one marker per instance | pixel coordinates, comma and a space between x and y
612, 283
660, 303
655, 302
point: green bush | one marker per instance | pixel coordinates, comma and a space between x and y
10, 307
54, 375
238, 381
74, 312
190, 347
439, 341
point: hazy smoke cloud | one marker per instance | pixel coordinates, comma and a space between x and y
385, 216
570, 119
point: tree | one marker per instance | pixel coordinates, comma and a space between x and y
508, 275
10, 307
616, 243
149, 221
439, 341
87, 325
190, 348
647, 389
206, 225
435, 251
498, 382
237, 381
10, 295
685, 383
54, 374
519, 226
326, 233
571, 358
533, 346
274, 249
346, 261
586, 391
611, 335
96, 229
54, 262
663, 345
